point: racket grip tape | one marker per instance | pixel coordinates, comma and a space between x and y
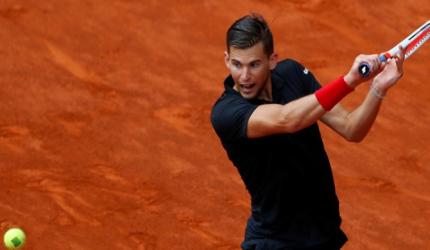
364, 67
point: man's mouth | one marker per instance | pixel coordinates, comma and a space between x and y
247, 87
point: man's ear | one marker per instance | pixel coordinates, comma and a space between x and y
273, 61
226, 59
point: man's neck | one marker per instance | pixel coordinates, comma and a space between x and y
266, 92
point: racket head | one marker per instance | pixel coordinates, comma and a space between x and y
415, 40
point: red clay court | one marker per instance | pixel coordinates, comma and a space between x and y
105, 139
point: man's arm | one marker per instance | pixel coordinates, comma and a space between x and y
355, 125
271, 119
301, 113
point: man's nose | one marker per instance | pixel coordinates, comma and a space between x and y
245, 74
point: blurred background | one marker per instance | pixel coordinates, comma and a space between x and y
105, 138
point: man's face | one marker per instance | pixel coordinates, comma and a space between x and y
250, 69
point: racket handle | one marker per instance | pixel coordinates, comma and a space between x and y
364, 67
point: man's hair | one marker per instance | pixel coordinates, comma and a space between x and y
248, 31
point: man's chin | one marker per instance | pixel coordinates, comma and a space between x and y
248, 95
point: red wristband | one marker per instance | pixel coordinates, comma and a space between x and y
329, 95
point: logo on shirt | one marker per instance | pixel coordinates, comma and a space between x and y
305, 71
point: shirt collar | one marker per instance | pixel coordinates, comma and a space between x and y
229, 84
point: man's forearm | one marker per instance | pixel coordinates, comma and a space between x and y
362, 118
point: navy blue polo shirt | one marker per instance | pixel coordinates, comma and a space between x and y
288, 176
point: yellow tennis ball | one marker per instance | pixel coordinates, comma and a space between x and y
14, 238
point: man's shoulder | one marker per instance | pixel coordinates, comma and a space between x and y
226, 98
298, 78
226, 102
230, 114
288, 65
288, 61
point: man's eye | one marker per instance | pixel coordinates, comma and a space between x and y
236, 65
255, 65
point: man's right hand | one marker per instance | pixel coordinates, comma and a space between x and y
353, 78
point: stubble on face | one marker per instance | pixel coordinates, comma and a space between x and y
250, 70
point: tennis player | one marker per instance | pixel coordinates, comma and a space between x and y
266, 119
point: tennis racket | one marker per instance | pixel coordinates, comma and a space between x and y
411, 43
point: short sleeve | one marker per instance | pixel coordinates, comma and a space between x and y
230, 116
